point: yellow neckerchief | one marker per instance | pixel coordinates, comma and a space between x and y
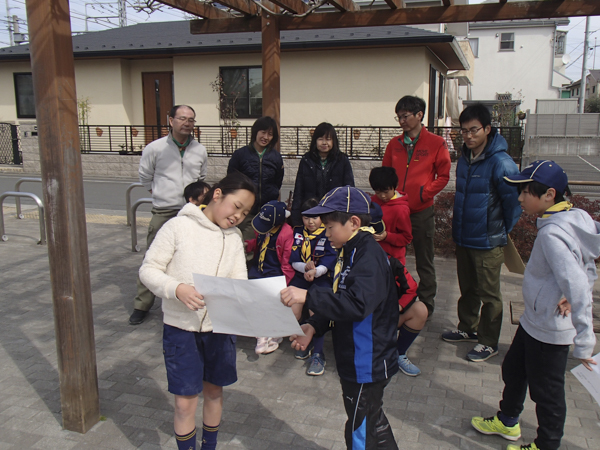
559, 207
305, 252
263, 248
340, 260
202, 207
395, 196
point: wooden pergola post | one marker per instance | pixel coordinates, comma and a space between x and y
271, 63
56, 110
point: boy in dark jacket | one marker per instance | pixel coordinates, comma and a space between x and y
362, 312
485, 211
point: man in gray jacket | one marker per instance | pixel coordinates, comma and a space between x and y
167, 166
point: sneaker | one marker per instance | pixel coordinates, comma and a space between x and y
482, 353
317, 365
303, 354
493, 425
266, 345
531, 446
459, 336
407, 367
137, 317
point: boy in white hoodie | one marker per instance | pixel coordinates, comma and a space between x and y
561, 265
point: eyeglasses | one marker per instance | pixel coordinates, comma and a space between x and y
186, 119
403, 117
471, 132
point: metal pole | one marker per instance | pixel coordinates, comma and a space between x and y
583, 83
51, 52
10, 34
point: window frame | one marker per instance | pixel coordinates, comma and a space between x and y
476, 49
20, 114
502, 41
247, 97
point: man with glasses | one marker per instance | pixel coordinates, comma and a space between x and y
167, 166
422, 163
485, 211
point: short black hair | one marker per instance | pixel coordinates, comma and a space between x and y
411, 104
383, 178
309, 203
479, 112
174, 109
343, 217
264, 124
538, 189
195, 190
234, 181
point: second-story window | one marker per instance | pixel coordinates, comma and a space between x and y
507, 41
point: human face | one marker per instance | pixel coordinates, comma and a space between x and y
182, 124
385, 195
311, 223
263, 139
339, 234
533, 205
475, 136
324, 145
229, 210
410, 122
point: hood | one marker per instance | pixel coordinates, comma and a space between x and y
495, 144
402, 200
580, 226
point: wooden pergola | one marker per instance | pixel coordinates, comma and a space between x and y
52, 64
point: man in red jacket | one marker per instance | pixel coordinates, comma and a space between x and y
422, 162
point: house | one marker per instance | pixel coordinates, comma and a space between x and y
351, 76
592, 85
522, 60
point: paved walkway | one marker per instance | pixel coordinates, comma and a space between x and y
274, 405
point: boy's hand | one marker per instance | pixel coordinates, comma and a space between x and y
309, 266
564, 307
189, 297
586, 362
292, 295
301, 342
381, 236
310, 275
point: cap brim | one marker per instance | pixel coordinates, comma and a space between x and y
518, 179
259, 226
317, 211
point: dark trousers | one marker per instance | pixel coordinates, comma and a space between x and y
367, 426
541, 367
480, 302
144, 298
423, 231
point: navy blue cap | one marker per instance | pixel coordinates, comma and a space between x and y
377, 218
543, 171
271, 214
346, 199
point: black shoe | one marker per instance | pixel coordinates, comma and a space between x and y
137, 317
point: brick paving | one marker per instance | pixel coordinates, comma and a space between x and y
274, 405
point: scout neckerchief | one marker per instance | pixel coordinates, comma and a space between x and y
340, 261
305, 252
559, 207
182, 147
410, 145
395, 196
263, 248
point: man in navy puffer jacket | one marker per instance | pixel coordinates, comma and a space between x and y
485, 211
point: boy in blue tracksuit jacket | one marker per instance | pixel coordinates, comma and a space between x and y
362, 312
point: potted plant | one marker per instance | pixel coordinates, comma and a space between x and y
521, 115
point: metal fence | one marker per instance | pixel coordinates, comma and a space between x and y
10, 148
357, 142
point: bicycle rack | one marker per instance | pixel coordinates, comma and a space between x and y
35, 198
18, 189
128, 200
134, 245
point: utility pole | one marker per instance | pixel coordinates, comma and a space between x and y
122, 13
586, 45
9, 24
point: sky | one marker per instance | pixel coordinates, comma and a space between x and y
99, 13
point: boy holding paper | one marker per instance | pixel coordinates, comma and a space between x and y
561, 265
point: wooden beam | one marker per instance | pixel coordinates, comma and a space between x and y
242, 6
451, 2
343, 5
51, 50
271, 65
294, 6
412, 16
197, 8
394, 4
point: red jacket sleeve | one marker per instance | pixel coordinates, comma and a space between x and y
400, 232
442, 166
251, 245
387, 156
284, 250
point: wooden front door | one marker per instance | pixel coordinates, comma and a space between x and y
158, 101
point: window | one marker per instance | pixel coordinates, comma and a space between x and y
474, 46
435, 108
24, 96
507, 41
242, 91
559, 45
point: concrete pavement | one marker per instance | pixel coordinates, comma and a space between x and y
274, 405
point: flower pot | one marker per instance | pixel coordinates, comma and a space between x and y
233, 132
356, 134
99, 131
522, 115
134, 132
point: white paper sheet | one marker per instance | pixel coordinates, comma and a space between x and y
247, 307
590, 379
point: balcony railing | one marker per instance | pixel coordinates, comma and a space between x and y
357, 142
